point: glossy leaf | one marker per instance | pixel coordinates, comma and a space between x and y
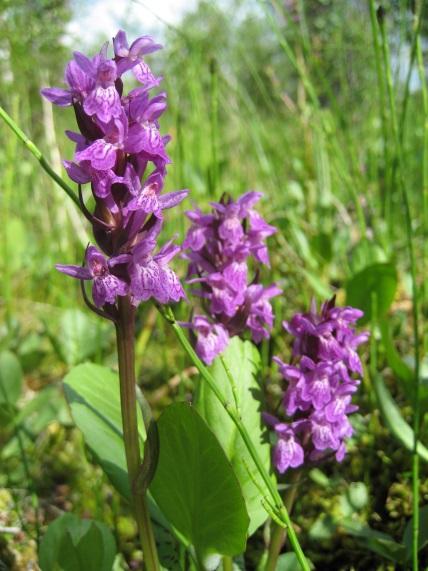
195, 486
93, 394
377, 279
394, 421
243, 361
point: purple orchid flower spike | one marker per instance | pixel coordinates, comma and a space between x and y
320, 382
106, 285
120, 152
218, 246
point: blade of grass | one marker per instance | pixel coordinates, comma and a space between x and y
415, 294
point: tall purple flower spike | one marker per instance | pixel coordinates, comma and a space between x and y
121, 153
218, 247
320, 385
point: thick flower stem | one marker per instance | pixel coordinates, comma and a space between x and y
278, 536
125, 349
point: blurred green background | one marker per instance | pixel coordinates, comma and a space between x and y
289, 98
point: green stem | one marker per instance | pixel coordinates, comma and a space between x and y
276, 499
37, 153
214, 125
415, 304
227, 563
383, 114
422, 78
277, 539
231, 381
125, 334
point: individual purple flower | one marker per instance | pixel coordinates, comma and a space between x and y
80, 84
320, 380
150, 275
260, 317
131, 57
288, 452
219, 246
120, 152
106, 286
211, 338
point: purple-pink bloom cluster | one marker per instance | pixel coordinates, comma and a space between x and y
218, 246
121, 153
321, 382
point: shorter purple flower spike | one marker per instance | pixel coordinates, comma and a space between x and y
219, 245
106, 286
320, 384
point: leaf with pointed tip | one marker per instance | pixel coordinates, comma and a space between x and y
195, 486
379, 279
393, 419
243, 360
92, 392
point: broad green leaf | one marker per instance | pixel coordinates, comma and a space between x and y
288, 562
195, 486
93, 394
393, 419
73, 544
366, 253
423, 532
78, 337
378, 279
11, 378
380, 543
46, 406
243, 361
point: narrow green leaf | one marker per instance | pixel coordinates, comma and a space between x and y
243, 361
11, 378
399, 367
195, 486
78, 336
380, 543
378, 279
93, 394
393, 419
